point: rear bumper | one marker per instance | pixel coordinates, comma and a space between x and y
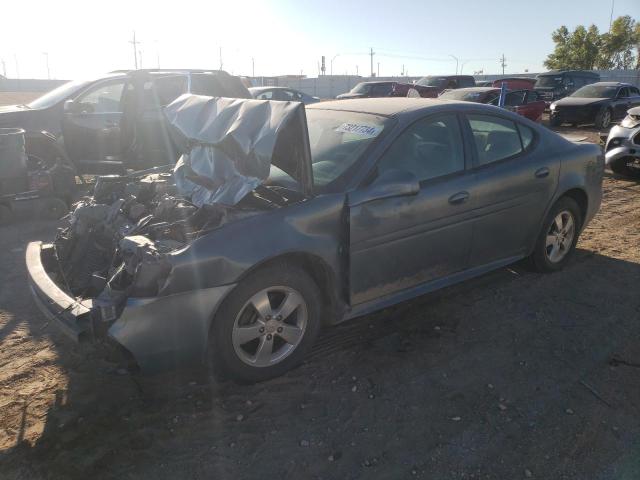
159, 332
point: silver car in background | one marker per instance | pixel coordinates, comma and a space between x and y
622, 147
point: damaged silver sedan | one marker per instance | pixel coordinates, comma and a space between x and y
276, 221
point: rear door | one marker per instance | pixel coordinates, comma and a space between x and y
515, 183
399, 243
92, 129
154, 145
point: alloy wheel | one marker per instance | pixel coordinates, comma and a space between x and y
560, 236
270, 326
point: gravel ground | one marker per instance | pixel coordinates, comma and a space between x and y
511, 375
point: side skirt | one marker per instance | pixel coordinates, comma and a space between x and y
408, 294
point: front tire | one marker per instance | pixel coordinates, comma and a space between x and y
266, 325
621, 167
558, 237
554, 121
603, 118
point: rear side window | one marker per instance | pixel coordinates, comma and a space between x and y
527, 135
495, 138
381, 90
428, 148
164, 90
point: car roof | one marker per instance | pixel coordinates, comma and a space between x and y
378, 82
476, 89
612, 84
386, 106
261, 89
560, 72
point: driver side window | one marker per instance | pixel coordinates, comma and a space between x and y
429, 148
104, 98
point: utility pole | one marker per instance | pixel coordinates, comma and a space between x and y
158, 55
253, 67
613, 2
402, 74
357, 73
15, 58
378, 69
503, 63
4, 68
372, 53
135, 49
140, 55
220, 58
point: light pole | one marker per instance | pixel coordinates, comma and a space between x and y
46, 57
456, 59
331, 63
462, 66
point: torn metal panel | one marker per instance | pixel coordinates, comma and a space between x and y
230, 144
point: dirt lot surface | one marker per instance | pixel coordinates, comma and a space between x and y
511, 375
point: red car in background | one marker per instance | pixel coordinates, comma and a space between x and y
389, 89
524, 102
515, 83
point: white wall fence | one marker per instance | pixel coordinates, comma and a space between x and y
331, 85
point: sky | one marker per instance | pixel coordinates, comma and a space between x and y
82, 39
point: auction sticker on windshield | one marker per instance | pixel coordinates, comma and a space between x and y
367, 131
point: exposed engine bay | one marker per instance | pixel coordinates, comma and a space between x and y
117, 241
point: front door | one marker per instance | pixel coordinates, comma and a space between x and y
399, 243
92, 128
515, 182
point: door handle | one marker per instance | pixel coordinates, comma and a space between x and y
542, 172
459, 198
110, 124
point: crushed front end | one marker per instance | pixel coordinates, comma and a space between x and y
105, 274
622, 146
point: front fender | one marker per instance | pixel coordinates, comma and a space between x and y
224, 255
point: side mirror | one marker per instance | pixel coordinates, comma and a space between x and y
70, 106
390, 184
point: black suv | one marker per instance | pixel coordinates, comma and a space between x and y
556, 84
115, 122
447, 82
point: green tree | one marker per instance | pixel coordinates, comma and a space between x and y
619, 46
586, 48
574, 50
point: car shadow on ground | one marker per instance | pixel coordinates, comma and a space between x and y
505, 373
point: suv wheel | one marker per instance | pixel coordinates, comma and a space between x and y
266, 325
558, 237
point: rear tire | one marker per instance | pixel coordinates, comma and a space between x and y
241, 330
6, 214
52, 208
558, 237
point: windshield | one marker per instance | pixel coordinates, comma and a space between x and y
361, 88
466, 95
595, 91
58, 94
439, 82
547, 81
338, 139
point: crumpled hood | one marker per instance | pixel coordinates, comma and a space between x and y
230, 144
578, 101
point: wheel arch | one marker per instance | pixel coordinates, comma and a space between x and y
319, 271
580, 196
